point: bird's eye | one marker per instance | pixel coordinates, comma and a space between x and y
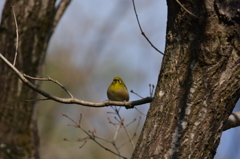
119, 81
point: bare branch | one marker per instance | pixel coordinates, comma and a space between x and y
233, 121
83, 144
111, 142
140, 112
80, 119
59, 12
115, 146
151, 89
142, 30
131, 122
106, 140
92, 137
121, 121
114, 124
186, 9
134, 134
136, 94
73, 100
130, 139
138, 124
116, 132
118, 120
16, 50
101, 138
84, 140
52, 80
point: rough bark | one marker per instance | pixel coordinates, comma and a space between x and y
198, 84
18, 127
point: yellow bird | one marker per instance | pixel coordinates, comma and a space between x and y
118, 91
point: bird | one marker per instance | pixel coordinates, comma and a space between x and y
117, 91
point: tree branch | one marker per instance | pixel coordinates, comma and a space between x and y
58, 14
52, 80
135, 11
72, 100
16, 50
186, 9
92, 136
233, 121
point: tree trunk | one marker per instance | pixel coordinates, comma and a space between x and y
198, 84
18, 128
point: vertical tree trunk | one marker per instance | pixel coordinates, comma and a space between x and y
198, 84
18, 128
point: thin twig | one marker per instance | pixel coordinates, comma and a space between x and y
151, 88
116, 133
111, 142
131, 122
78, 140
140, 112
52, 80
120, 120
83, 144
16, 50
115, 146
114, 124
85, 139
126, 142
152, 93
80, 119
101, 138
142, 30
186, 9
130, 139
134, 134
138, 124
136, 94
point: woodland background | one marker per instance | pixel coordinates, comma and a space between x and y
94, 42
